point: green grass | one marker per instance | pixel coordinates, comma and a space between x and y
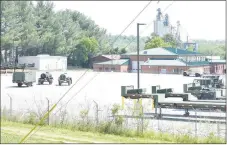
12, 132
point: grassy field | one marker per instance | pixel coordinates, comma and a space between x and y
12, 132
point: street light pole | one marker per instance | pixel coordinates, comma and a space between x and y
138, 76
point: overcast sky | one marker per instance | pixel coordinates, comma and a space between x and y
200, 20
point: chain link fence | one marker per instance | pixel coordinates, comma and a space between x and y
202, 123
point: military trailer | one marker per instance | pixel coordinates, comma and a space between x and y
45, 77
23, 77
64, 78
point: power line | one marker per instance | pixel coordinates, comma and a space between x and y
77, 93
148, 25
132, 21
52, 108
26, 136
127, 28
68, 100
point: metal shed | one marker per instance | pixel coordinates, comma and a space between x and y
45, 62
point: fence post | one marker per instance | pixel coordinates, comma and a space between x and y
48, 109
142, 120
195, 123
10, 105
218, 129
97, 112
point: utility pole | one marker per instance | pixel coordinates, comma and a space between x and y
138, 39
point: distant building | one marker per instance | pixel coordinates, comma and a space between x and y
45, 62
217, 66
112, 65
103, 58
163, 60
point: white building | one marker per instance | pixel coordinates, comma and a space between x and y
45, 62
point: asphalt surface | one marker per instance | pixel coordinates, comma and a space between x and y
105, 89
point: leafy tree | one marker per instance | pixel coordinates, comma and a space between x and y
37, 29
153, 35
123, 51
169, 38
86, 48
9, 29
156, 42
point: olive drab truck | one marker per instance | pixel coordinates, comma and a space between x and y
24, 77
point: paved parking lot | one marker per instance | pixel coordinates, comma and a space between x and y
105, 89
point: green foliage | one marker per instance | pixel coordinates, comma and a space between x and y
212, 48
170, 40
115, 109
31, 119
84, 114
156, 42
38, 29
108, 127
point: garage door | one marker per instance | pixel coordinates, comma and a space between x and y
134, 66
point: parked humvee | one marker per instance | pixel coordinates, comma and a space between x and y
45, 77
64, 78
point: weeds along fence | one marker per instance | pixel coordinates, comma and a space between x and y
92, 116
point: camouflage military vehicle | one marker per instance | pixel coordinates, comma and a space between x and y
45, 77
217, 80
64, 78
23, 77
205, 88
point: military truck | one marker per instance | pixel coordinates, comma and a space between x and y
204, 89
45, 77
23, 77
64, 78
217, 80
197, 72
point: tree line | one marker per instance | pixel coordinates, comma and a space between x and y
38, 29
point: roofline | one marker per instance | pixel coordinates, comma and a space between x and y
101, 63
217, 62
164, 65
182, 49
193, 54
151, 55
106, 64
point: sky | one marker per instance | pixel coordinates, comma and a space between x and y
198, 19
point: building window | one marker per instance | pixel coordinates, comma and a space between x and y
106, 69
113, 69
100, 69
176, 70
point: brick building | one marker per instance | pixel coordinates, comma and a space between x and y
103, 58
154, 53
162, 60
217, 66
112, 65
175, 66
